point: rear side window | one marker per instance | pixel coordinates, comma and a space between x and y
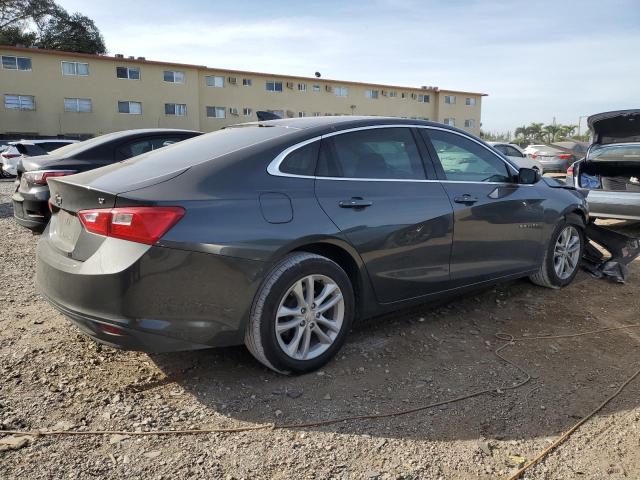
301, 161
464, 160
384, 153
144, 145
509, 151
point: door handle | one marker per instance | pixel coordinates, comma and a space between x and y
466, 199
355, 202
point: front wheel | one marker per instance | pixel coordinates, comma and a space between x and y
562, 258
301, 314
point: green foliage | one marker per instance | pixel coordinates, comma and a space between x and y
44, 24
540, 133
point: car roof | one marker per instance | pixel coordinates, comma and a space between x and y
46, 140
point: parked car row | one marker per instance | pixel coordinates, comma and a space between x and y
14, 151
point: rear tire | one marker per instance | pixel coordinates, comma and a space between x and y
287, 331
562, 256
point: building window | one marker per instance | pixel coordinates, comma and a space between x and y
274, 86
470, 123
75, 69
302, 87
450, 99
132, 73
393, 94
132, 108
246, 82
316, 114
301, 114
450, 121
423, 98
16, 63
176, 109
246, 111
371, 93
216, 112
214, 81
470, 101
77, 105
403, 95
341, 91
171, 76
316, 88
20, 102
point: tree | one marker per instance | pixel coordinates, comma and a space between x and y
44, 24
71, 33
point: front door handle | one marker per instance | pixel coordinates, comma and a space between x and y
355, 202
466, 199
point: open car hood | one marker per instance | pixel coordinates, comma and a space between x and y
622, 126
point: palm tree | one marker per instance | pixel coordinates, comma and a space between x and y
535, 131
521, 132
551, 132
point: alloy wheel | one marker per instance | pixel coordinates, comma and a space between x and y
309, 317
566, 253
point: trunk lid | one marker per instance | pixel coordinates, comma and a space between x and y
622, 126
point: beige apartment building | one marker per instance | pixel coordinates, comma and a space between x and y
53, 93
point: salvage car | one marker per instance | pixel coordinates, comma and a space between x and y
27, 148
30, 208
278, 234
609, 175
516, 155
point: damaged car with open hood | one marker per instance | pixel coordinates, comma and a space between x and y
609, 175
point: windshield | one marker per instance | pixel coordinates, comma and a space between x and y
616, 153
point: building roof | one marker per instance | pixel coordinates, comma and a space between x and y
143, 60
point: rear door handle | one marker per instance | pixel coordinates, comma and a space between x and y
355, 202
466, 199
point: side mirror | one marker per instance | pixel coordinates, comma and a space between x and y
528, 176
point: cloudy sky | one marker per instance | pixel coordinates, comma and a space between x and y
536, 59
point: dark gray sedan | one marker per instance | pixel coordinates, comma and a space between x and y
278, 234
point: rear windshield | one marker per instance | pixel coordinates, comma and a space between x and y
616, 153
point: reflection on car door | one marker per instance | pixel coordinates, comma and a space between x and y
497, 222
144, 145
371, 183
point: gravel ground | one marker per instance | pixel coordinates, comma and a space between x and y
53, 377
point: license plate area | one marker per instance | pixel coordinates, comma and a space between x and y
64, 231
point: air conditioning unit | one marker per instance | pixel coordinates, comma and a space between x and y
233, 110
233, 80
290, 85
328, 88
119, 55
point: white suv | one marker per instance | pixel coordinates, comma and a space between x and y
10, 157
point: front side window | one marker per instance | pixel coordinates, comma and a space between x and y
470, 123
272, 86
172, 76
470, 101
301, 161
132, 108
450, 99
214, 81
77, 105
176, 109
464, 160
216, 112
77, 69
131, 73
371, 93
384, 153
10, 62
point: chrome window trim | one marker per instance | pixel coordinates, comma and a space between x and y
274, 166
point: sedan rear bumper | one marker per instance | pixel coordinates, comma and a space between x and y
153, 299
31, 210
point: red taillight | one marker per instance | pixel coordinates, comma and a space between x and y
570, 171
564, 156
136, 224
534, 156
10, 155
40, 177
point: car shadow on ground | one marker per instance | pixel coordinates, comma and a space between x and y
429, 354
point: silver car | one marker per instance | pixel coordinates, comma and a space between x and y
609, 175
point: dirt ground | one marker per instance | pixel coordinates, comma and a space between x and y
53, 377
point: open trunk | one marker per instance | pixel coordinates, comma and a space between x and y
610, 176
